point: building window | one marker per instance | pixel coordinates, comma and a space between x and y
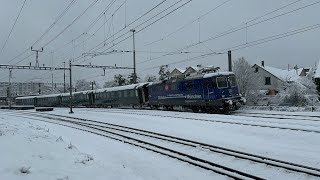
267, 81
256, 70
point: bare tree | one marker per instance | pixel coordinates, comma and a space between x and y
131, 78
120, 80
150, 78
164, 72
247, 79
82, 85
109, 84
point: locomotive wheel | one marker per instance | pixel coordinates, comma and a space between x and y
195, 109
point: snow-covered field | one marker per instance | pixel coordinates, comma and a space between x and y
25, 142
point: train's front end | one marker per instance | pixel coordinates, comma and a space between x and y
222, 92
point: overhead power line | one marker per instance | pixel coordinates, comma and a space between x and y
86, 32
14, 24
189, 23
111, 36
240, 27
47, 30
68, 26
55, 22
102, 43
248, 44
167, 14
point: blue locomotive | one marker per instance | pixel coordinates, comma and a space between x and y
213, 92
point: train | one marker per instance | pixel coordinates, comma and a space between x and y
215, 92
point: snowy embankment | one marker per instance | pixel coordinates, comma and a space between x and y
35, 150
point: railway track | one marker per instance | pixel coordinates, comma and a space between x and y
118, 130
253, 123
291, 117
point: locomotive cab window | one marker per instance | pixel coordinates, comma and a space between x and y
232, 80
222, 82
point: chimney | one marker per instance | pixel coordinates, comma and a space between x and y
262, 63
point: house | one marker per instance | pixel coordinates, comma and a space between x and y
176, 72
271, 78
191, 70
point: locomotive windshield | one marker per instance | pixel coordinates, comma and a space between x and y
232, 80
222, 82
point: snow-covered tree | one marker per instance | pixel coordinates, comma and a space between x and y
82, 85
131, 78
109, 84
164, 72
120, 80
247, 79
150, 78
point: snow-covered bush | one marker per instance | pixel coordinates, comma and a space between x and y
300, 93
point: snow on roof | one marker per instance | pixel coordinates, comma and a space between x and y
119, 88
317, 72
217, 74
26, 97
300, 70
41, 96
179, 69
283, 75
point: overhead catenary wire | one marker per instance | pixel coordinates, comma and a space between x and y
185, 3
12, 28
238, 28
68, 26
245, 45
154, 21
112, 36
47, 30
189, 23
88, 29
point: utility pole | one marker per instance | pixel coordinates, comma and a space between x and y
229, 61
52, 82
92, 83
37, 55
134, 58
9, 89
70, 88
64, 77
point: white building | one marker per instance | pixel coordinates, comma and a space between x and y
271, 78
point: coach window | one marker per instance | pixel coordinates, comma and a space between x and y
132, 93
125, 93
222, 82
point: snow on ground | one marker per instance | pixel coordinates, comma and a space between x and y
295, 146
48, 151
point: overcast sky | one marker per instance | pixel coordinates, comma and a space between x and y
195, 24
